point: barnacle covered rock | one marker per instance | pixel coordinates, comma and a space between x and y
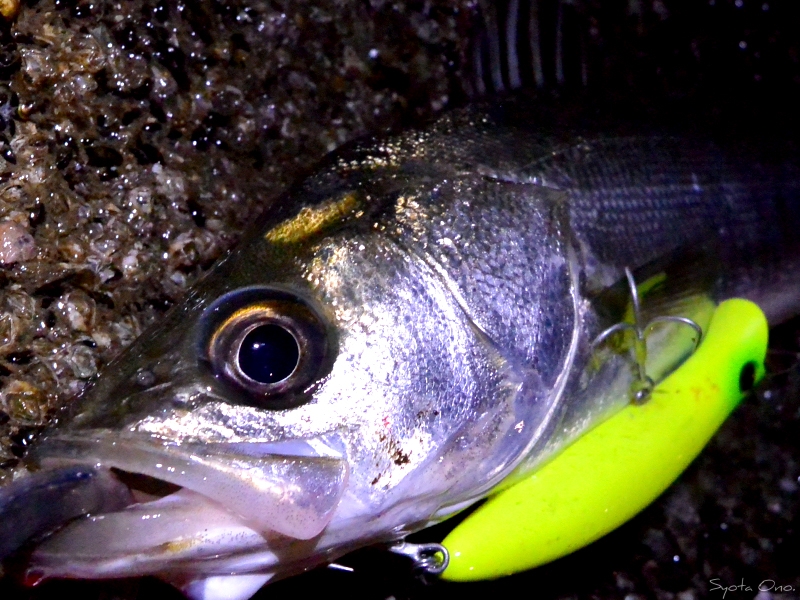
138, 138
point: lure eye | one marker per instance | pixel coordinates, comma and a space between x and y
268, 345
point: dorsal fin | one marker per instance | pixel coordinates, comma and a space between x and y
528, 44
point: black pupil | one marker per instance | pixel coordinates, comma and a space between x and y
268, 354
747, 377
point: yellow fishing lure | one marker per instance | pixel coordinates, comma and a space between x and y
617, 469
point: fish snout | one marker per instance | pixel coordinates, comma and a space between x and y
183, 502
288, 487
39, 503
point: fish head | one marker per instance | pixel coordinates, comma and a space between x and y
326, 386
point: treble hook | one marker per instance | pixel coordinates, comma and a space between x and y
431, 559
644, 384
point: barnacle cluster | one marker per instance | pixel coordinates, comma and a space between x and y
138, 138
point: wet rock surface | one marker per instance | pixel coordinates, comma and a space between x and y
137, 140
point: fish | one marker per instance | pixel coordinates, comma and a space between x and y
409, 328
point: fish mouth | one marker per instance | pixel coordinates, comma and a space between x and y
192, 501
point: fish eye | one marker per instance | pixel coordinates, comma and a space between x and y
268, 354
268, 345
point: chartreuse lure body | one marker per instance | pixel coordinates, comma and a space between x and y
618, 468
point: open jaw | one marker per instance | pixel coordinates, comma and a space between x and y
194, 509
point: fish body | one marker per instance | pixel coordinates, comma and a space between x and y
410, 327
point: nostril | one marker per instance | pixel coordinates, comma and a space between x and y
143, 487
145, 378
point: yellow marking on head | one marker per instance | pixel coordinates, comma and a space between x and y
311, 220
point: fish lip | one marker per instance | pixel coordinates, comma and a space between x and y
181, 533
290, 487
